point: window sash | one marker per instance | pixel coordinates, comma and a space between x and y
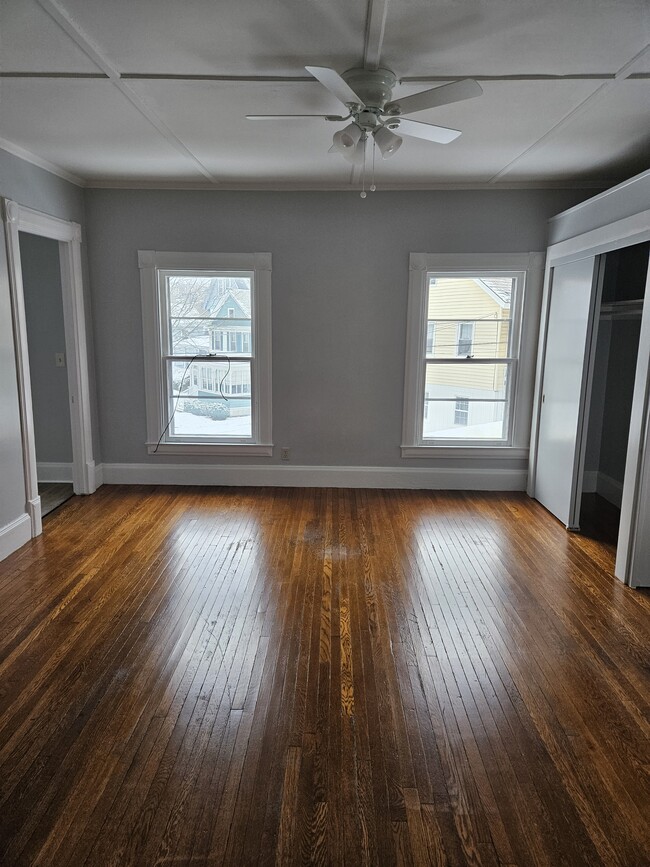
510, 365
168, 357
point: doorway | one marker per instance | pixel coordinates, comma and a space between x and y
21, 222
41, 277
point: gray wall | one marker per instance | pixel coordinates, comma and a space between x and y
340, 277
45, 337
31, 186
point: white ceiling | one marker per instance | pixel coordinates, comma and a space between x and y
155, 92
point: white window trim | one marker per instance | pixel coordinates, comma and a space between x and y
525, 318
152, 261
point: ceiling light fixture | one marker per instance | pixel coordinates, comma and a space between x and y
367, 95
346, 140
387, 142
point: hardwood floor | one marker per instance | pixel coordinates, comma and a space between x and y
197, 676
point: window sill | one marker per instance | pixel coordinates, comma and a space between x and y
449, 452
250, 449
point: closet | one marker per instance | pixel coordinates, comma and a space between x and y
590, 446
617, 331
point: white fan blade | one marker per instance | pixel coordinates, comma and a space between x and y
291, 116
456, 91
428, 131
330, 79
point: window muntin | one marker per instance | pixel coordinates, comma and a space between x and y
470, 369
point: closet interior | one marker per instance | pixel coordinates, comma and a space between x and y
618, 329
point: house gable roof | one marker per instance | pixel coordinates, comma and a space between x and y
498, 288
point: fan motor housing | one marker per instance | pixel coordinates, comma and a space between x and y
373, 86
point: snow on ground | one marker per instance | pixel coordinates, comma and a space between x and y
200, 426
491, 430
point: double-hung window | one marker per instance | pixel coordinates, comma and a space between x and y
462, 389
207, 342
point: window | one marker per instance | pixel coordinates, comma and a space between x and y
208, 383
462, 386
464, 339
461, 412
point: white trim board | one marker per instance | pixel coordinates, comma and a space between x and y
438, 478
14, 535
18, 218
46, 471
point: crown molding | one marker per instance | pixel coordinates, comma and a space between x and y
35, 160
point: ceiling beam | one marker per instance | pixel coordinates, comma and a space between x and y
375, 27
309, 79
621, 75
65, 22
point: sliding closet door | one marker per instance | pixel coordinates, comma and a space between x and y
633, 549
570, 329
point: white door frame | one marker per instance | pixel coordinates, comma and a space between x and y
17, 219
622, 233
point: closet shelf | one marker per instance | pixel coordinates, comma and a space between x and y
622, 309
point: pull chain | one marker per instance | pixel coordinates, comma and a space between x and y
363, 170
372, 185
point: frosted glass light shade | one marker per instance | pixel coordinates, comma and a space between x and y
345, 140
387, 142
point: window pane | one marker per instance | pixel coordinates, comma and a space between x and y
209, 313
209, 417
471, 316
214, 398
464, 419
467, 380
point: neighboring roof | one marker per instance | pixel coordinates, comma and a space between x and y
500, 288
241, 297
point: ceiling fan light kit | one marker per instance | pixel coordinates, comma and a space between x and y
367, 95
387, 142
346, 139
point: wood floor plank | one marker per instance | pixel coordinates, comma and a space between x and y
220, 676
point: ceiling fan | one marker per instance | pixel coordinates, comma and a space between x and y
367, 95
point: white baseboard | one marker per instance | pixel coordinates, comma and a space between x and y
610, 489
53, 472
595, 482
96, 475
438, 478
14, 535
